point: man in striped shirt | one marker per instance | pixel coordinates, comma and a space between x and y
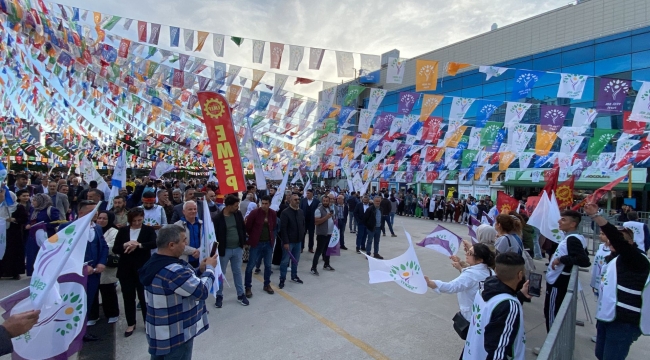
175, 296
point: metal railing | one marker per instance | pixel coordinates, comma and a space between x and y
560, 341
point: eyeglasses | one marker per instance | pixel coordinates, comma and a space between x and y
470, 253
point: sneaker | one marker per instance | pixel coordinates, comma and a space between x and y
281, 285
393, 235
377, 256
297, 280
328, 268
314, 272
219, 302
92, 322
257, 270
113, 320
249, 293
311, 251
358, 251
537, 350
243, 300
594, 338
343, 248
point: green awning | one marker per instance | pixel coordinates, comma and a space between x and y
579, 185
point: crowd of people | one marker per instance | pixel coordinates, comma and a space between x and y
149, 244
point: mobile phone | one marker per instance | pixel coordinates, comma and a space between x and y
214, 249
535, 284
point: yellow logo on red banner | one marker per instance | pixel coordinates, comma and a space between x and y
221, 132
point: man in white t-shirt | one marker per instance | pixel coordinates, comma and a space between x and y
324, 223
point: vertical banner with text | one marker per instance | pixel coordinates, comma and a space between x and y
225, 153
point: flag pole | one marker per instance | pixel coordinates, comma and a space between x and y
629, 183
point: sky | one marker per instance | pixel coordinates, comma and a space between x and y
357, 26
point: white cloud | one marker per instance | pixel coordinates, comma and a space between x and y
372, 26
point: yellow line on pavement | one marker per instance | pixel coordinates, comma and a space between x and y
356, 341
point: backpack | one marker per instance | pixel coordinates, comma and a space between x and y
529, 263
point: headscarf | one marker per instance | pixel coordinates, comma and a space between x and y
111, 220
251, 206
486, 234
42, 201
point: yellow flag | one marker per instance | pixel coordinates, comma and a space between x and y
426, 75
495, 176
233, 93
202, 35
454, 139
257, 77
505, 159
545, 140
429, 103
453, 67
478, 172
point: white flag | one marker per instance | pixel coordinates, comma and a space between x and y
404, 270
63, 253
118, 181
515, 112
583, 117
459, 107
571, 86
395, 71
491, 71
279, 194
545, 218
280, 80
296, 54
258, 51
641, 109
217, 44
208, 240
375, 99
345, 64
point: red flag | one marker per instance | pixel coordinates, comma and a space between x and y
564, 193
551, 179
221, 132
303, 81
598, 194
506, 203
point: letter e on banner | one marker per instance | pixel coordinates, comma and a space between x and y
218, 124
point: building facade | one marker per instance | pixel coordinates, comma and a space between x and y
598, 38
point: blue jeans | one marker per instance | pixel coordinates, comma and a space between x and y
614, 339
361, 236
353, 223
295, 249
385, 219
392, 218
373, 236
263, 251
341, 225
537, 250
235, 256
182, 352
425, 212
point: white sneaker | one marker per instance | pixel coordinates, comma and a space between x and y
92, 322
593, 338
536, 350
113, 320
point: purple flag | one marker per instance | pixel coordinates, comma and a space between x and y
474, 221
472, 234
66, 321
406, 102
292, 258
611, 95
487, 219
552, 117
383, 121
334, 251
442, 241
402, 149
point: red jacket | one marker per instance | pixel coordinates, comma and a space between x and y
255, 222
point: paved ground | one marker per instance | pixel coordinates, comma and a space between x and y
338, 315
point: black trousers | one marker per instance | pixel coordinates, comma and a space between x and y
109, 303
130, 287
322, 241
341, 225
311, 228
554, 296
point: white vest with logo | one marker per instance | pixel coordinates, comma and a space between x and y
607, 301
153, 216
553, 274
481, 313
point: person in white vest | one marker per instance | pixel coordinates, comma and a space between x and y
641, 231
624, 302
154, 215
496, 329
572, 250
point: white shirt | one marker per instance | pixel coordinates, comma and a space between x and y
466, 286
309, 201
134, 233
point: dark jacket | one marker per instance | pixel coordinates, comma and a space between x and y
255, 222
369, 219
292, 226
358, 212
352, 202
501, 319
74, 191
309, 210
577, 255
385, 206
222, 231
130, 263
97, 250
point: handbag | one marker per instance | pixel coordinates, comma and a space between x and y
461, 325
112, 261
